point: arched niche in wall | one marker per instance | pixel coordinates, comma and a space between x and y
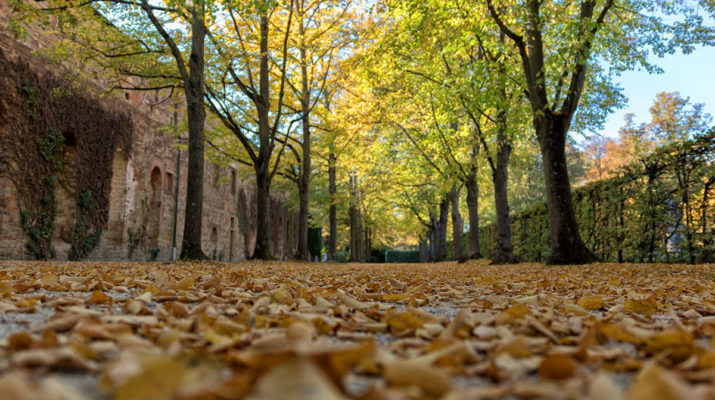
155, 180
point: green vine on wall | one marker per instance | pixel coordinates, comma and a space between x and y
40, 108
84, 238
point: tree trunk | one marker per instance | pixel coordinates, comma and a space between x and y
433, 238
566, 244
443, 217
707, 241
456, 223
262, 251
473, 206
504, 253
333, 213
196, 114
424, 249
357, 245
367, 245
304, 183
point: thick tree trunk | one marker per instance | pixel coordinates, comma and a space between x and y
196, 114
504, 253
424, 249
472, 187
566, 244
456, 223
443, 218
333, 212
262, 251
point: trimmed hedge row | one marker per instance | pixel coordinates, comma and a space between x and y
402, 256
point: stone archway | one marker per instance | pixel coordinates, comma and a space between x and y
153, 223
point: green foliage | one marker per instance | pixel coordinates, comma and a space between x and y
402, 256
84, 237
31, 102
52, 147
342, 256
39, 230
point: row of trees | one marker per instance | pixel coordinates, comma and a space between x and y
407, 105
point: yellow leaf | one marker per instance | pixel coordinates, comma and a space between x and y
154, 290
395, 297
402, 323
643, 305
678, 343
590, 302
618, 333
98, 297
184, 284
706, 360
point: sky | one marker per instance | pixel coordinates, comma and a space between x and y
693, 75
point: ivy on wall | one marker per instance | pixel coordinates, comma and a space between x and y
40, 113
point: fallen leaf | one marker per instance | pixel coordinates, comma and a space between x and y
557, 366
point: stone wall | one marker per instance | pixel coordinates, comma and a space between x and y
143, 185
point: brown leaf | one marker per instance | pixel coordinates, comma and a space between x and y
295, 379
655, 383
557, 366
432, 380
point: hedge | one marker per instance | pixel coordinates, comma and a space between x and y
402, 256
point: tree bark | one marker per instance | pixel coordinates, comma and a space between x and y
333, 212
357, 245
424, 249
456, 223
443, 217
434, 238
551, 124
304, 183
262, 250
472, 187
196, 114
566, 244
504, 253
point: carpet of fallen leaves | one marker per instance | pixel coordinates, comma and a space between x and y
330, 331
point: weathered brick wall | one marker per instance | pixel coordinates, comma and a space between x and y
146, 178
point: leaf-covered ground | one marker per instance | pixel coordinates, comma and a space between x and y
316, 331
